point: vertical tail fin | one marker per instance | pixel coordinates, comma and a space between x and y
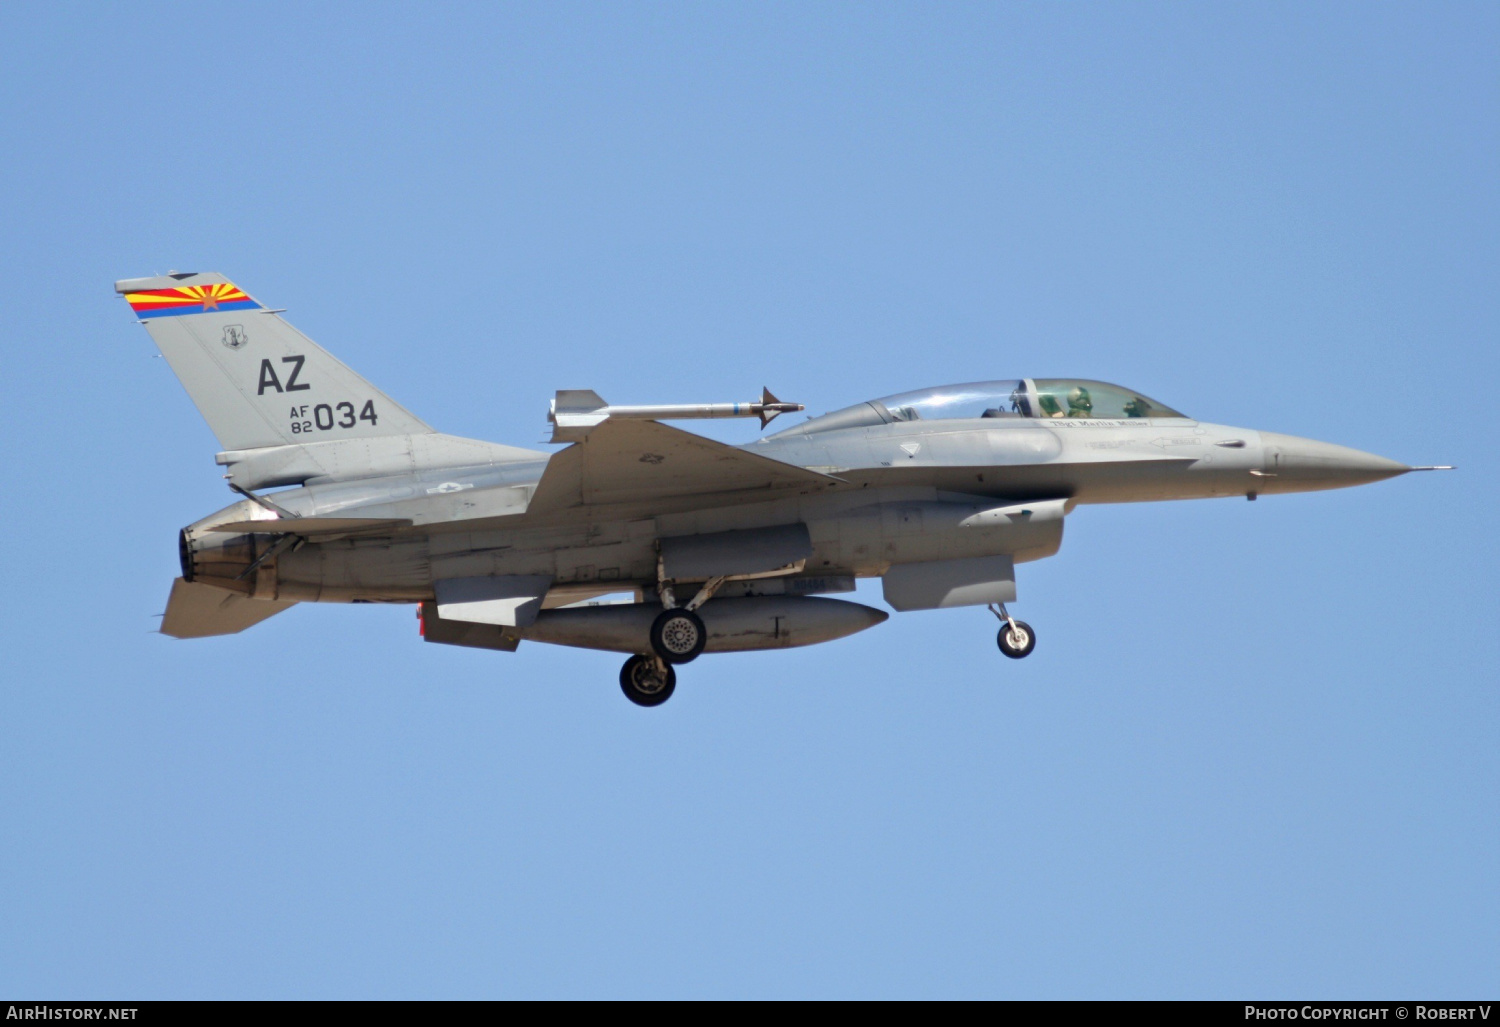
256, 380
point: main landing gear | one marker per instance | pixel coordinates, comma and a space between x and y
1016, 639
678, 635
647, 680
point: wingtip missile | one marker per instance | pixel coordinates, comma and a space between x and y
574, 412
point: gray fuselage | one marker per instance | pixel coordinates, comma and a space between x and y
898, 493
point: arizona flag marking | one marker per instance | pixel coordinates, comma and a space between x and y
189, 299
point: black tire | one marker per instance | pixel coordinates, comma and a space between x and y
1008, 645
642, 684
678, 636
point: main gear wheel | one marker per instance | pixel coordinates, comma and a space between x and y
647, 681
678, 636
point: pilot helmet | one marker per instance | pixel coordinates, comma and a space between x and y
1079, 403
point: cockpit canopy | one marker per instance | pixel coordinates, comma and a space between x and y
1040, 398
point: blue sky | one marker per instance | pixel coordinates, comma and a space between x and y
1254, 753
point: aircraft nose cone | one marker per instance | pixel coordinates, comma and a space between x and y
1308, 463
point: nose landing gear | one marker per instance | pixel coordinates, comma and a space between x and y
1016, 638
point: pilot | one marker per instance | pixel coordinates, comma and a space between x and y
1079, 403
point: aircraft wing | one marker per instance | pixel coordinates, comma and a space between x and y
198, 611
625, 461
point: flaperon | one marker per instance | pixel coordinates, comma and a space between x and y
711, 547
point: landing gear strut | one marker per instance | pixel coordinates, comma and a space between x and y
1016, 639
678, 634
647, 680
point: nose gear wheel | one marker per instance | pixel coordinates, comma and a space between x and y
1016, 639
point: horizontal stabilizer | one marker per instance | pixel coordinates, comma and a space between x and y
198, 611
628, 461
312, 525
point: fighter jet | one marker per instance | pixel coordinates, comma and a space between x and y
644, 539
